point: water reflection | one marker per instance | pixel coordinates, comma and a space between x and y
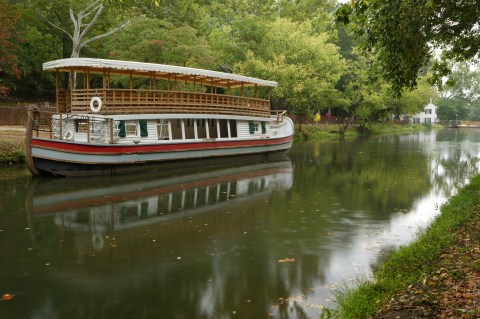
161, 243
122, 203
256, 240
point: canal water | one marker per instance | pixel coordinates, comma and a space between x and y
263, 239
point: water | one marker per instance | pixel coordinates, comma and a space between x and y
244, 240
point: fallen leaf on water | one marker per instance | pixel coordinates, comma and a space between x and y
7, 297
287, 260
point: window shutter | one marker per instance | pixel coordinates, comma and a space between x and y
121, 128
143, 128
251, 127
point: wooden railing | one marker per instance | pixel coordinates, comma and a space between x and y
126, 101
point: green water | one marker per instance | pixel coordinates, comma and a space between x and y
243, 240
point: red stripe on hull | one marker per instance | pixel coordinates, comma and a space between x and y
112, 149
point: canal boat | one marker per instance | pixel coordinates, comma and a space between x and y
116, 117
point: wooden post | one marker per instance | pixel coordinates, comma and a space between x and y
72, 88
104, 89
111, 130
154, 88
33, 114
88, 129
61, 126
57, 84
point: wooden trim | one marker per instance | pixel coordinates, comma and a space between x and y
57, 91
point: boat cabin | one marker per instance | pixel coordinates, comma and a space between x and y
107, 101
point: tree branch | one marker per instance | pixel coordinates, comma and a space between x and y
56, 26
94, 20
105, 34
72, 17
89, 8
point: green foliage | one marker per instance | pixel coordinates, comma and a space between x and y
305, 63
292, 42
10, 38
402, 32
156, 41
460, 98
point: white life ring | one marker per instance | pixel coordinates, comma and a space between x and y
68, 136
97, 241
98, 108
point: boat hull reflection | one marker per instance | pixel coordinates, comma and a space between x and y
116, 204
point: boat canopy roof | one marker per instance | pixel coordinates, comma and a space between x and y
159, 71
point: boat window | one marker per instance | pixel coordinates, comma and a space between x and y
264, 127
233, 128
189, 129
223, 128
212, 128
176, 129
162, 129
143, 128
131, 128
81, 125
201, 131
253, 127
121, 129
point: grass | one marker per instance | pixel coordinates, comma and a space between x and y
12, 142
332, 131
410, 264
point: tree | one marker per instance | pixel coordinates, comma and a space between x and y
9, 45
83, 21
414, 101
405, 33
365, 92
156, 41
460, 95
305, 63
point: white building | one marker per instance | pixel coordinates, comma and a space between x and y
428, 116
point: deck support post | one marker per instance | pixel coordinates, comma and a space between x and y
32, 123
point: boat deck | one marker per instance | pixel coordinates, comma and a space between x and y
134, 101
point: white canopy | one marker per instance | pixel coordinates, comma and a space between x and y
151, 69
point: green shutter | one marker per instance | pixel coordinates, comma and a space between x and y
121, 127
264, 127
251, 127
143, 128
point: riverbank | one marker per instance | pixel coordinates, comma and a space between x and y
332, 131
12, 142
437, 276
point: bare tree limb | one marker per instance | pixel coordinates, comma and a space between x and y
89, 8
72, 17
94, 20
56, 26
105, 34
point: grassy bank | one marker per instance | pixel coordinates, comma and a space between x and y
424, 279
12, 141
332, 131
